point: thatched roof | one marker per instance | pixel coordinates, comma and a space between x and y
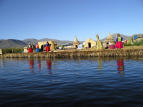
109, 38
76, 41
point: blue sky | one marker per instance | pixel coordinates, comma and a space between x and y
65, 19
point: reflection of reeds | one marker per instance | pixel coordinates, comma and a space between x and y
126, 52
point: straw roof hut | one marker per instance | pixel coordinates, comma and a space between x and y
42, 43
137, 38
76, 43
89, 44
52, 43
109, 39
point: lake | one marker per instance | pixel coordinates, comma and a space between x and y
71, 82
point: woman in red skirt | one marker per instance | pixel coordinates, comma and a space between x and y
30, 50
119, 43
47, 47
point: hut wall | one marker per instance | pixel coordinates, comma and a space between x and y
41, 43
92, 43
0, 51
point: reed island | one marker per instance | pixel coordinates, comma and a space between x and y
89, 48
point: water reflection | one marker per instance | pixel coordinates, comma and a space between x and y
49, 66
99, 64
1, 63
31, 63
120, 65
39, 64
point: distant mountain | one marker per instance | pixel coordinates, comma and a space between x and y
12, 43
59, 42
115, 35
30, 40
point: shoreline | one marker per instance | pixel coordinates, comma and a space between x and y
125, 52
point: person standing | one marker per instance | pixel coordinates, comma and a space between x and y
30, 50
37, 47
119, 43
47, 47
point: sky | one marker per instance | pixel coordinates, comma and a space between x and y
67, 19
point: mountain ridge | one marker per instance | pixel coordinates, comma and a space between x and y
14, 43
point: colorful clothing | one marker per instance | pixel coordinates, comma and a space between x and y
37, 48
119, 43
120, 64
112, 46
30, 50
47, 47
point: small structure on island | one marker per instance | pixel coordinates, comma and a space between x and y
25, 50
89, 44
76, 43
99, 43
0, 51
109, 40
137, 38
53, 45
42, 45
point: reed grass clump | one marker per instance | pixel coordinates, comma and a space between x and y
12, 50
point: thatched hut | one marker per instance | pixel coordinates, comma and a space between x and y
76, 43
89, 44
137, 38
108, 40
53, 45
42, 44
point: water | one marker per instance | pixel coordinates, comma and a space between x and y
71, 82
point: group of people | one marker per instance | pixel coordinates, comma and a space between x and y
32, 47
118, 44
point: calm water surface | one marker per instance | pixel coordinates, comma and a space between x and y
71, 82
